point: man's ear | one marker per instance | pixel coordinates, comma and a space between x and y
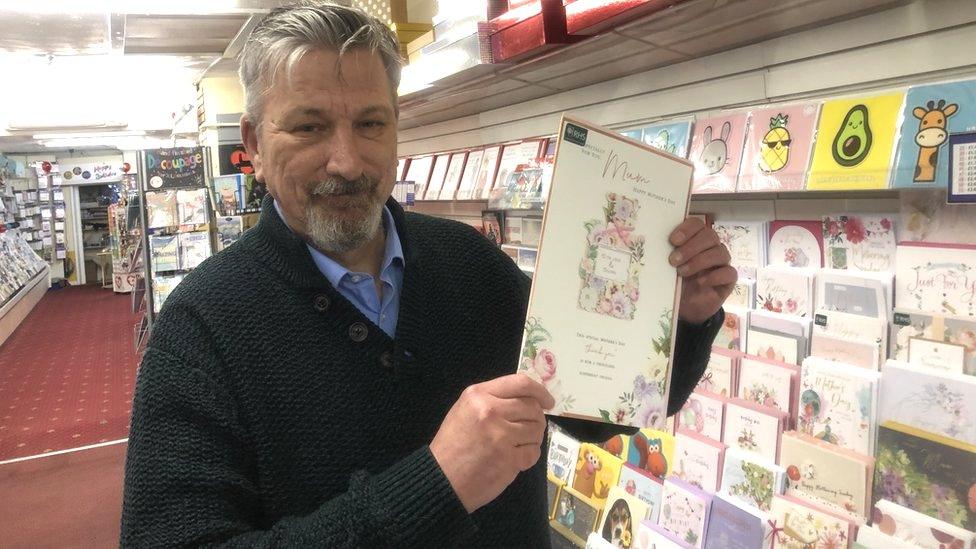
249, 133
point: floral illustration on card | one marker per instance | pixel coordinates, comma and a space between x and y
755, 487
938, 407
761, 394
807, 530
863, 243
612, 261
747, 440
899, 480
539, 362
743, 245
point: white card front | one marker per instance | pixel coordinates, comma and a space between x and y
945, 357
936, 279
599, 327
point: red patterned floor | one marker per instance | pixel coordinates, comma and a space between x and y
67, 373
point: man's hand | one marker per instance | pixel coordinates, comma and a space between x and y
493, 432
703, 262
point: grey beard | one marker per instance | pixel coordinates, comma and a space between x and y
336, 235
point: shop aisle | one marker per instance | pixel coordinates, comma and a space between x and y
67, 373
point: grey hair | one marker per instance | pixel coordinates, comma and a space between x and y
289, 32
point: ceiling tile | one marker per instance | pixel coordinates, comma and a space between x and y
41, 34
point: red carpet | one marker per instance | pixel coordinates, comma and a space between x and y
67, 373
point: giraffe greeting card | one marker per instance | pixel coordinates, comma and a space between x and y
777, 148
599, 328
931, 113
855, 142
716, 150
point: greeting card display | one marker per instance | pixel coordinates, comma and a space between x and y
721, 373
839, 404
860, 293
777, 149
796, 243
827, 474
753, 428
936, 279
576, 515
732, 525
671, 137
716, 150
746, 242
929, 473
768, 383
855, 143
698, 460
751, 479
908, 325
931, 113
908, 525
613, 327
807, 526
562, 457
704, 414
643, 486
859, 242
621, 515
684, 511
785, 290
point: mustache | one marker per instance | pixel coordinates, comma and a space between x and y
341, 185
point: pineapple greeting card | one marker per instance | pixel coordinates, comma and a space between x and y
778, 146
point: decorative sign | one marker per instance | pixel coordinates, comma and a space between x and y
177, 167
95, 172
234, 159
962, 167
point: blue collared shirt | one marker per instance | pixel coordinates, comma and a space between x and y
359, 288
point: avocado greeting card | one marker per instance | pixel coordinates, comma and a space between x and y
777, 149
855, 142
598, 330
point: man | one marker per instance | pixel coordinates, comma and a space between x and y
341, 376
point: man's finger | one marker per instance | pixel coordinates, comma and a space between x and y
703, 240
686, 230
722, 276
520, 385
709, 259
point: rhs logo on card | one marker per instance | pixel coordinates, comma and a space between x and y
576, 134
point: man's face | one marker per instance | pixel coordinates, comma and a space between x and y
327, 147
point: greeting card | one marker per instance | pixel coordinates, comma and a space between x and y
937, 355
621, 515
855, 142
753, 428
670, 137
732, 525
721, 372
860, 293
703, 413
908, 525
716, 150
785, 290
768, 383
576, 515
612, 329
644, 486
927, 217
827, 474
746, 242
806, 526
485, 180
929, 473
732, 334
562, 456
553, 486
596, 472
743, 294
796, 243
907, 325
936, 279
469, 176
192, 206
781, 323
684, 511
938, 402
651, 450
165, 253
698, 460
931, 113
777, 148
437, 175
418, 171
839, 404
453, 177
854, 352
851, 326
161, 210
870, 537
751, 479
194, 249
655, 536
859, 242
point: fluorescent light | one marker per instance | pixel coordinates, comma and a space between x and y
87, 135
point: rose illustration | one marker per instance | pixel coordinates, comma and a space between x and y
854, 230
545, 364
833, 229
886, 224
791, 305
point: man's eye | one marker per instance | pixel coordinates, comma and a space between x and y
307, 128
372, 124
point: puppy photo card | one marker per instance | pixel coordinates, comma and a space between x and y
684, 512
621, 515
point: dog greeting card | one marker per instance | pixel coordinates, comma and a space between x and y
602, 344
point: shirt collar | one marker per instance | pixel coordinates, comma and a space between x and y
335, 272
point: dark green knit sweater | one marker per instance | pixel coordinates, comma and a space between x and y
269, 412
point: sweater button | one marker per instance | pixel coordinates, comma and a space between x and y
321, 303
386, 360
358, 332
